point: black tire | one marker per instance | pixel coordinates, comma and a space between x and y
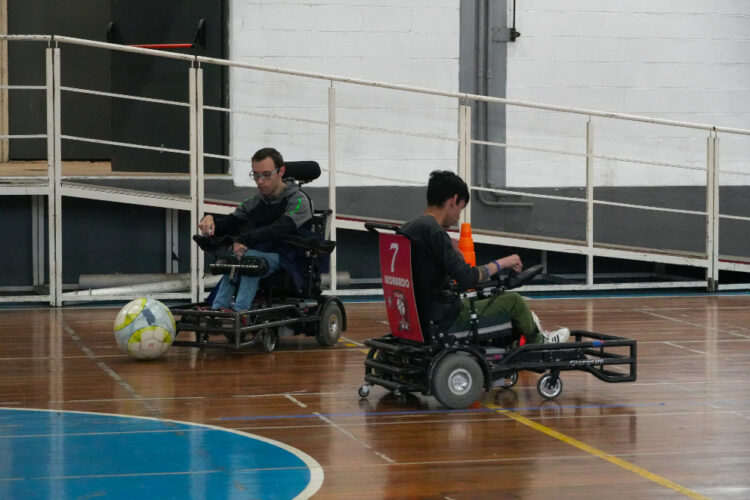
457, 381
270, 340
364, 391
331, 323
547, 389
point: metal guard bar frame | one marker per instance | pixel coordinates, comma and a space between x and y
711, 260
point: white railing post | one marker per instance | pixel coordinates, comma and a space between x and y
54, 176
712, 212
332, 179
172, 247
196, 178
200, 170
464, 153
37, 240
589, 202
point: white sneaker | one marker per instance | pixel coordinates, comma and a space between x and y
556, 337
537, 322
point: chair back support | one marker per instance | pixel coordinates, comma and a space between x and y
398, 286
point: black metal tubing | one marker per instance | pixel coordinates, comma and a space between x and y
375, 226
202, 331
414, 364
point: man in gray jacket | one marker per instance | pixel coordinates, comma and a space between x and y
258, 226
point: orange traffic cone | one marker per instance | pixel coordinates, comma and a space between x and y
466, 244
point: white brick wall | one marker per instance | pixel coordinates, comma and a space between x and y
676, 59
413, 43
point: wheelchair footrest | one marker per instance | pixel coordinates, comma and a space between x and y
393, 369
394, 385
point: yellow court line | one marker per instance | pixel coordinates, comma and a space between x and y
597, 452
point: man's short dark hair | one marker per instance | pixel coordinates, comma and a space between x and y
264, 153
444, 185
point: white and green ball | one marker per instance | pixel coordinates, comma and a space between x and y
144, 328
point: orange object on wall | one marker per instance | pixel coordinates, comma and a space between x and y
466, 244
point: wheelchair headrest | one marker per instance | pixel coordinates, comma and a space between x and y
302, 171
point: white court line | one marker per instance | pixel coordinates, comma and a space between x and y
488, 418
684, 322
573, 458
295, 400
686, 348
296, 393
124, 399
346, 339
353, 437
154, 411
697, 325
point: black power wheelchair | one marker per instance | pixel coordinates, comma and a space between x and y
455, 366
281, 308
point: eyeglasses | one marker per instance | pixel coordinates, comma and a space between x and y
263, 175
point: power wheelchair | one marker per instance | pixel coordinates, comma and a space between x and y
454, 367
281, 308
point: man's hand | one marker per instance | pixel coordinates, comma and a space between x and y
511, 262
239, 249
206, 225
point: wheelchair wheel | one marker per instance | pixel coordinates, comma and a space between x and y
270, 339
547, 389
331, 322
506, 382
457, 381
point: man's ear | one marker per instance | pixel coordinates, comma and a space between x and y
282, 170
454, 199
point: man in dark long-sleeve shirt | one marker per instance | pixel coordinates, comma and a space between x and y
258, 226
436, 261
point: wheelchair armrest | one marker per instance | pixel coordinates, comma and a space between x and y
248, 265
212, 243
313, 244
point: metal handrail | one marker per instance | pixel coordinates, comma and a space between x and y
589, 247
373, 83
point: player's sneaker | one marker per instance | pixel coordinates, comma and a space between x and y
553, 337
557, 336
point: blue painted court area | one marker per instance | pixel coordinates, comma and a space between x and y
59, 454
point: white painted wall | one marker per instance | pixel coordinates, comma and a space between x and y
675, 59
413, 43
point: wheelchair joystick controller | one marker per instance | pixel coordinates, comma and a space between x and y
515, 280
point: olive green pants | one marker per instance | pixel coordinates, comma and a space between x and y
501, 308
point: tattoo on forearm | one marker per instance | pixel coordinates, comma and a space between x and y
484, 272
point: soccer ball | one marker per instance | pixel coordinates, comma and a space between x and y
144, 328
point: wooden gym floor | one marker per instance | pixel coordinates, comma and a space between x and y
681, 430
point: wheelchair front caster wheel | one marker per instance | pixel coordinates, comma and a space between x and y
400, 397
506, 382
364, 391
548, 388
270, 340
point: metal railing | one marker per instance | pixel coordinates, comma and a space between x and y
54, 185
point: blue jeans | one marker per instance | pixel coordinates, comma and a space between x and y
246, 286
